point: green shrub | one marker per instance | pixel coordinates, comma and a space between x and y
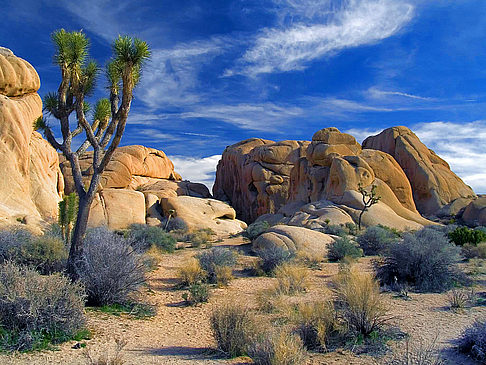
146, 236
111, 270
343, 247
257, 228
462, 235
36, 310
278, 348
214, 258
197, 293
473, 341
46, 253
426, 260
232, 328
273, 256
376, 240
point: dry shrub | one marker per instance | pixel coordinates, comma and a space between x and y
106, 359
201, 237
418, 353
279, 348
35, 309
273, 256
474, 251
111, 270
310, 259
214, 258
232, 328
359, 302
473, 341
224, 275
315, 323
191, 272
270, 300
291, 279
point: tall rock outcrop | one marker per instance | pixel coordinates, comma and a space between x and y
31, 182
310, 183
433, 183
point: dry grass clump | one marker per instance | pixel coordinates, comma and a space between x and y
117, 358
191, 272
270, 300
224, 275
232, 328
277, 348
458, 298
213, 260
291, 279
311, 260
359, 302
316, 324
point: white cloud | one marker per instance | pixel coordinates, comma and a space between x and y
201, 170
362, 134
359, 22
170, 78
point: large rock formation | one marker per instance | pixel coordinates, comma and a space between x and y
31, 182
433, 183
311, 183
140, 186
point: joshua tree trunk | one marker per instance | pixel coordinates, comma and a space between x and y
104, 134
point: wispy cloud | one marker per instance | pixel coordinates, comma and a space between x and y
201, 170
376, 93
171, 76
357, 23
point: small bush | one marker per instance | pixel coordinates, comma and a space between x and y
343, 247
425, 259
417, 353
473, 341
359, 301
273, 256
110, 269
232, 328
316, 324
36, 310
115, 358
214, 258
336, 230
462, 235
47, 253
458, 299
291, 279
270, 300
257, 228
376, 240
197, 293
145, 237
176, 224
191, 272
471, 251
200, 237
279, 348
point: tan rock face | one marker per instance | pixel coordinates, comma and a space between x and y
127, 163
433, 184
293, 239
328, 169
30, 182
200, 213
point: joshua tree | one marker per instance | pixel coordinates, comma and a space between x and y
369, 199
103, 134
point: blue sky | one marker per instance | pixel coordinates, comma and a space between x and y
223, 71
